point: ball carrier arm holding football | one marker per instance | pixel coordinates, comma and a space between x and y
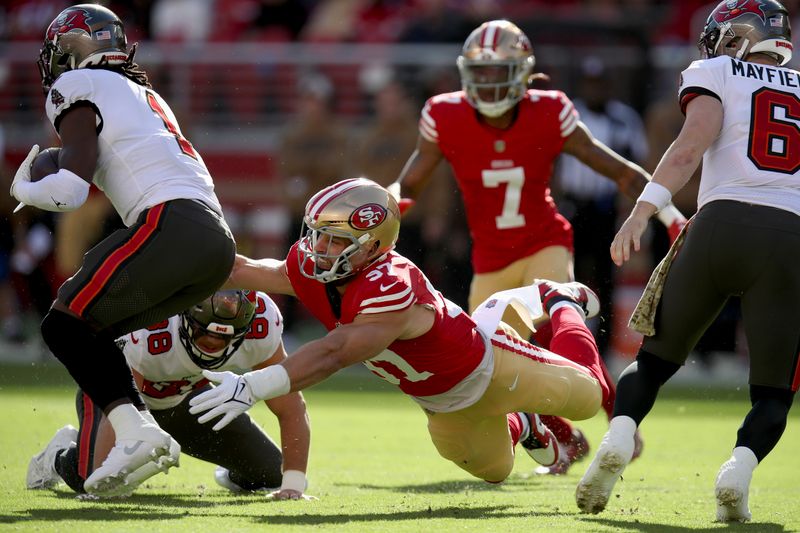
478, 382
502, 140
742, 107
118, 133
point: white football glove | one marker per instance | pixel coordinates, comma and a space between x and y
24, 173
232, 397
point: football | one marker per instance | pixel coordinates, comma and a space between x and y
45, 163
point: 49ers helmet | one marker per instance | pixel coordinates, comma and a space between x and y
495, 65
227, 314
737, 28
357, 210
81, 36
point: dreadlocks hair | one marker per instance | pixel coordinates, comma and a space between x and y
130, 69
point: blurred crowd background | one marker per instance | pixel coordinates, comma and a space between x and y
282, 97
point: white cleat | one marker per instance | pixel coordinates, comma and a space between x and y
613, 455
733, 486
131, 462
42, 469
541, 445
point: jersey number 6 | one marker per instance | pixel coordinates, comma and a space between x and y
774, 132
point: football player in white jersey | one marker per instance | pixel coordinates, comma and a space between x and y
233, 330
742, 111
119, 134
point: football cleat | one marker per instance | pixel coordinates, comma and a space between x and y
733, 486
570, 452
223, 479
130, 462
42, 468
540, 444
552, 292
613, 455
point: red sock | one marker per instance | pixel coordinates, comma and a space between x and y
544, 334
573, 340
515, 427
560, 427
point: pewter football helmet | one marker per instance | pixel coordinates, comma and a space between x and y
737, 28
227, 314
81, 36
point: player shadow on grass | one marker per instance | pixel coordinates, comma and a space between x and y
636, 525
146, 507
430, 513
514, 482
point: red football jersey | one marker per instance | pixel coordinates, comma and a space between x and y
427, 365
504, 175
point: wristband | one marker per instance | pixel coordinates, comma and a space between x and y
269, 382
61, 191
655, 194
294, 480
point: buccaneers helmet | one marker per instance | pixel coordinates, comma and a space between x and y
495, 65
227, 314
81, 36
357, 210
737, 28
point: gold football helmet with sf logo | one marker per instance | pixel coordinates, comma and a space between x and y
347, 227
495, 65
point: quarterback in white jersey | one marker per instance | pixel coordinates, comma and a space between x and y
118, 133
756, 157
742, 110
233, 330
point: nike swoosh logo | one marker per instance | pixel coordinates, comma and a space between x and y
134, 339
239, 390
58, 204
129, 450
389, 286
513, 386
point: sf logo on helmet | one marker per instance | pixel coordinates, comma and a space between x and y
71, 20
367, 216
735, 8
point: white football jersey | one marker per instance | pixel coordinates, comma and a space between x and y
756, 157
158, 354
143, 159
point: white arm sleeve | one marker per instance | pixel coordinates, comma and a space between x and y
62, 191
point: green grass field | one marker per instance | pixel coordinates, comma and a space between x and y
374, 469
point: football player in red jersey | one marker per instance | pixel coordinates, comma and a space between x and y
477, 380
502, 140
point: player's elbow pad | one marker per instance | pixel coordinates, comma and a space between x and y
62, 191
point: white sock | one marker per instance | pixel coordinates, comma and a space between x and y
745, 456
526, 427
622, 426
126, 420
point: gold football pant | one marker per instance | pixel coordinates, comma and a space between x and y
526, 378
